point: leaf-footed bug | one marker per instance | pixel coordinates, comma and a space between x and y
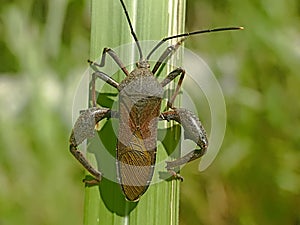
140, 99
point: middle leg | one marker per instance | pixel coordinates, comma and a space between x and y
171, 76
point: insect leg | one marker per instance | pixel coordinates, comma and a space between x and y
84, 128
166, 54
171, 76
114, 56
193, 130
103, 76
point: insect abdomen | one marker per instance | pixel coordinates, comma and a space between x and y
135, 171
136, 148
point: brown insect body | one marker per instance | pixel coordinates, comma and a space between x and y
140, 98
139, 107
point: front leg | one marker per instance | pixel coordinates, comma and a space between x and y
85, 128
193, 130
114, 56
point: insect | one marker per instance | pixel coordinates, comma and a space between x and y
140, 99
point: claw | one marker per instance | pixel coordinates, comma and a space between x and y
90, 181
176, 175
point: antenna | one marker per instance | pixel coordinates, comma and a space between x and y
132, 31
190, 34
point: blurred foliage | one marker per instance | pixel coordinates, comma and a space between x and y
44, 47
255, 178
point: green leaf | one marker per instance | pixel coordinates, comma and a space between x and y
105, 204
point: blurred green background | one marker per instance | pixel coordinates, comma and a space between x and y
256, 176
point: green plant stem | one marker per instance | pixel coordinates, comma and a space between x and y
152, 20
